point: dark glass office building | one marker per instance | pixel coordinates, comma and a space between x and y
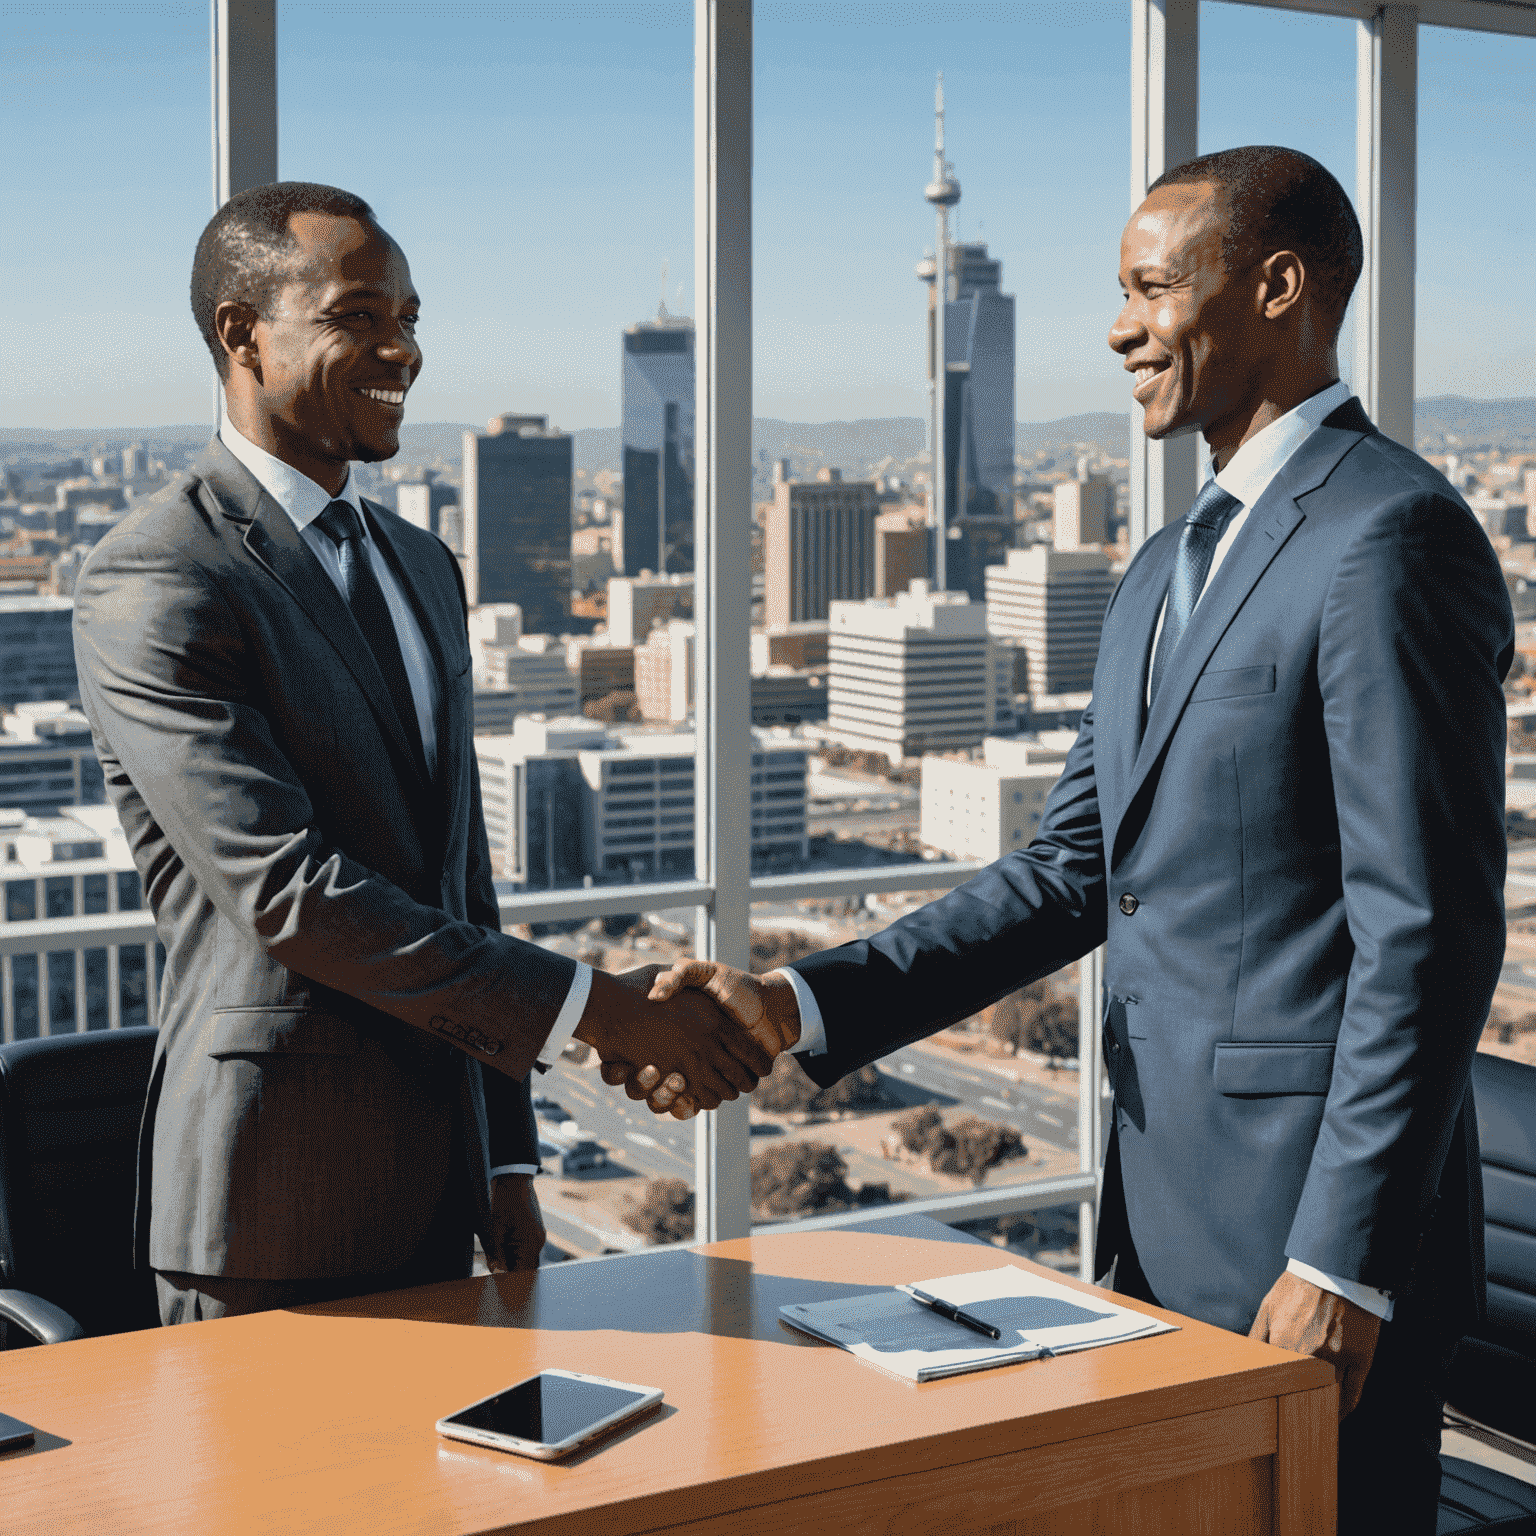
517, 520
658, 447
979, 347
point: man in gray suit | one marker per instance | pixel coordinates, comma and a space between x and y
277, 673
1284, 814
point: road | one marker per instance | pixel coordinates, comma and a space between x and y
653, 1147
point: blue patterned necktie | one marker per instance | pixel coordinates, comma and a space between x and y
1204, 525
339, 523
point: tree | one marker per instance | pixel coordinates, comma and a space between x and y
966, 1149
1037, 1018
617, 708
663, 1212
787, 1091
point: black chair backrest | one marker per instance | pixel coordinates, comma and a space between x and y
70, 1108
1493, 1378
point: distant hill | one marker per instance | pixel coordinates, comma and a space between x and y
876, 445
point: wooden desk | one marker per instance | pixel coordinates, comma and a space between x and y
320, 1420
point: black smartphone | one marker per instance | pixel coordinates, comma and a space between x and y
549, 1415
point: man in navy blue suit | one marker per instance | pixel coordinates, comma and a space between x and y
1284, 816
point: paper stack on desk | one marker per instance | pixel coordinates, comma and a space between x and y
1037, 1317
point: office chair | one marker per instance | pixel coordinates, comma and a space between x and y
1492, 1396
70, 1108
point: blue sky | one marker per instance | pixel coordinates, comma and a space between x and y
535, 161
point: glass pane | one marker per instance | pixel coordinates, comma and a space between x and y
61, 992
59, 893
20, 900
95, 893
24, 1008
96, 1015
129, 891
130, 982
1474, 417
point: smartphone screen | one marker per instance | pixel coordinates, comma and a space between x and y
546, 1409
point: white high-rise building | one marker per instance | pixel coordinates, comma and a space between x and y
916, 673
1051, 602
1082, 512
636, 603
571, 797
984, 810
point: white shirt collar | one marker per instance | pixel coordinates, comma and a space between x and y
1266, 453
291, 489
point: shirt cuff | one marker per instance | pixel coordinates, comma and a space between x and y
1377, 1303
516, 1168
813, 1033
569, 1016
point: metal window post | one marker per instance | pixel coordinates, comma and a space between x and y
1386, 197
1165, 81
722, 201
243, 58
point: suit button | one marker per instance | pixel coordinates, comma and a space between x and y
1128, 904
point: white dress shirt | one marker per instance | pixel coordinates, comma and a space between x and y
1247, 476
304, 501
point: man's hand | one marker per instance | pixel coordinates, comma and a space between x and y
693, 1043
516, 1238
764, 1006
1300, 1316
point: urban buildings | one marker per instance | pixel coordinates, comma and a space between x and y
37, 650
1050, 603
1082, 513
658, 426
790, 645
901, 552
47, 760
572, 797
61, 866
819, 545
526, 678
637, 602
664, 671
984, 810
916, 673
599, 668
516, 525
422, 502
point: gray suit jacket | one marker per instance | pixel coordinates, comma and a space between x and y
335, 979
1297, 859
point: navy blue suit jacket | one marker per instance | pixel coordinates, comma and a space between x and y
1297, 860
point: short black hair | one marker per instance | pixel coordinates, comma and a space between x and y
246, 251
1279, 199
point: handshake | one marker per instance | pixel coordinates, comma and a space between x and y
691, 1037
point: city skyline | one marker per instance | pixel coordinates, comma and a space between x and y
1038, 128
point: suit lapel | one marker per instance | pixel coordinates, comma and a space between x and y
1118, 699
1273, 519
273, 541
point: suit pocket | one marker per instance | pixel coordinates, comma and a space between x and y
1237, 683
281, 1031
1249, 1070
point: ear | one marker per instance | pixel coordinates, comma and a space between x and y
1282, 282
235, 322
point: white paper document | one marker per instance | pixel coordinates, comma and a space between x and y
1036, 1317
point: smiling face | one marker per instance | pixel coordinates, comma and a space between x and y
321, 378
1190, 329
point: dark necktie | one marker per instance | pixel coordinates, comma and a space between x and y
339, 523
1204, 525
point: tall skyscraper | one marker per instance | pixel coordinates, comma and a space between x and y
971, 341
818, 546
1082, 512
657, 532
517, 519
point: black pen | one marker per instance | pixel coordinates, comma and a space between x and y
954, 1314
